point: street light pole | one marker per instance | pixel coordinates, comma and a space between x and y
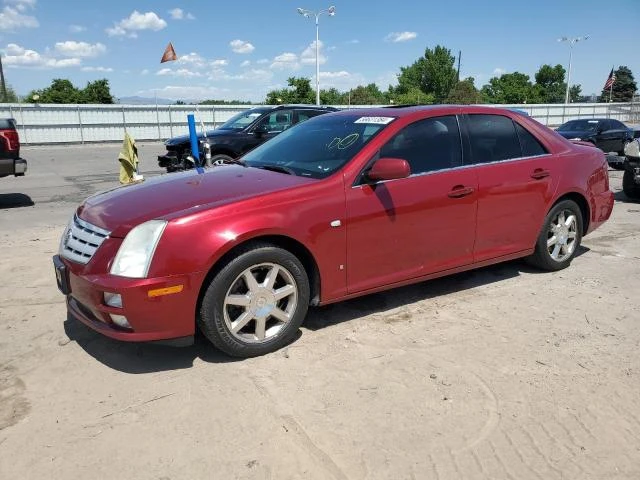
572, 42
307, 14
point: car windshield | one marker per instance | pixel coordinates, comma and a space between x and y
580, 126
243, 119
318, 147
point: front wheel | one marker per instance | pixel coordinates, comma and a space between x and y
256, 303
560, 237
220, 159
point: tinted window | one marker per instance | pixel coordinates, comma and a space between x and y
428, 145
493, 138
307, 114
617, 125
278, 121
604, 125
320, 146
530, 144
243, 119
579, 126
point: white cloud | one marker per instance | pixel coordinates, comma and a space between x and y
246, 63
80, 49
353, 42
240, 46
220, 63
308, 56
181, 72
499, 71
97, 69
136, 22
193, 59
177, 92
179, 14
17, 56
396, 37
286, 61
263, 61
77, 28
13, 17
342, 80
145, 72
340, 74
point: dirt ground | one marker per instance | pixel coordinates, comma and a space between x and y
501, 373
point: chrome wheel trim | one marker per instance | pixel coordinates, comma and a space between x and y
562, 236
260, 302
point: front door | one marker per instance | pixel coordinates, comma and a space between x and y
407, 228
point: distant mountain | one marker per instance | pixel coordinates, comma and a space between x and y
144, 101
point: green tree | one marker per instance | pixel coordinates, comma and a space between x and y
575, 93
12, 97
60, 91
433, 73
97, 91
332, 96
412, 96
551, 87
298, 91
509, 88
368, 95
623, 88
464, 93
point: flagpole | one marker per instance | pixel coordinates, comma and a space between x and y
610, 91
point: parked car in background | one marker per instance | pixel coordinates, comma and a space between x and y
343, 205
607, 134
238, 135
10, 161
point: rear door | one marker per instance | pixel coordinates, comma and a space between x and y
516, 177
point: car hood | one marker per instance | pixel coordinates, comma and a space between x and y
575, 133
121, 209
181, 139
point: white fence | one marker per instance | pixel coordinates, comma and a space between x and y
43, 124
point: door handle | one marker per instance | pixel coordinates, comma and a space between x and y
460, 191
539, 174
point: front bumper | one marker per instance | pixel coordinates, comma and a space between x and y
158, 318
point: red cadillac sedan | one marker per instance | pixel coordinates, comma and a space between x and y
342, 205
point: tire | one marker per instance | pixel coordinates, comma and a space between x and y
553, 256
233, 307
630, 188
220, 159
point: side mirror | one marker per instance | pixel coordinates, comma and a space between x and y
389, 169
261, 130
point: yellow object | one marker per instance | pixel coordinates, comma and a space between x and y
158, 292
128, 159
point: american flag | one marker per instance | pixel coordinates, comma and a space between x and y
610, 79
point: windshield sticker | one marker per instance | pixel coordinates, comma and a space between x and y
375, 120
343, 143
592, 121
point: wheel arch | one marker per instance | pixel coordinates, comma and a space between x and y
582, 203
282, 241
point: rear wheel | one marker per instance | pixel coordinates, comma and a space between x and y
220, 159
560, 237
630, 188
256, 303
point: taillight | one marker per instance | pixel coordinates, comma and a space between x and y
11, 139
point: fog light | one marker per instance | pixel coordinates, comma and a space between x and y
113, 299
120, 320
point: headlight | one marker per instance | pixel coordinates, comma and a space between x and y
136, 252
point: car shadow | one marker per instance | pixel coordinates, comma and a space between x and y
15, 200
322, 317
141, 358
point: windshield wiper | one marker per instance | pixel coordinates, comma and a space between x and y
277, 168
235, 161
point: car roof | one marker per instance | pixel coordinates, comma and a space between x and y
401, 111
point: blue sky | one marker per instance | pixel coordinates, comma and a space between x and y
242, 49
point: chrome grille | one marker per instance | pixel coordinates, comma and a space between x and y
81, 240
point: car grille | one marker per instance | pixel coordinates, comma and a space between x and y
81, 240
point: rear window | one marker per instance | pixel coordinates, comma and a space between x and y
493, 138
7, 124
531, 147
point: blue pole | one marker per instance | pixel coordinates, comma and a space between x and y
195, 150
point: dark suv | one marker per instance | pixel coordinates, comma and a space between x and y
10, 161
237, 136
